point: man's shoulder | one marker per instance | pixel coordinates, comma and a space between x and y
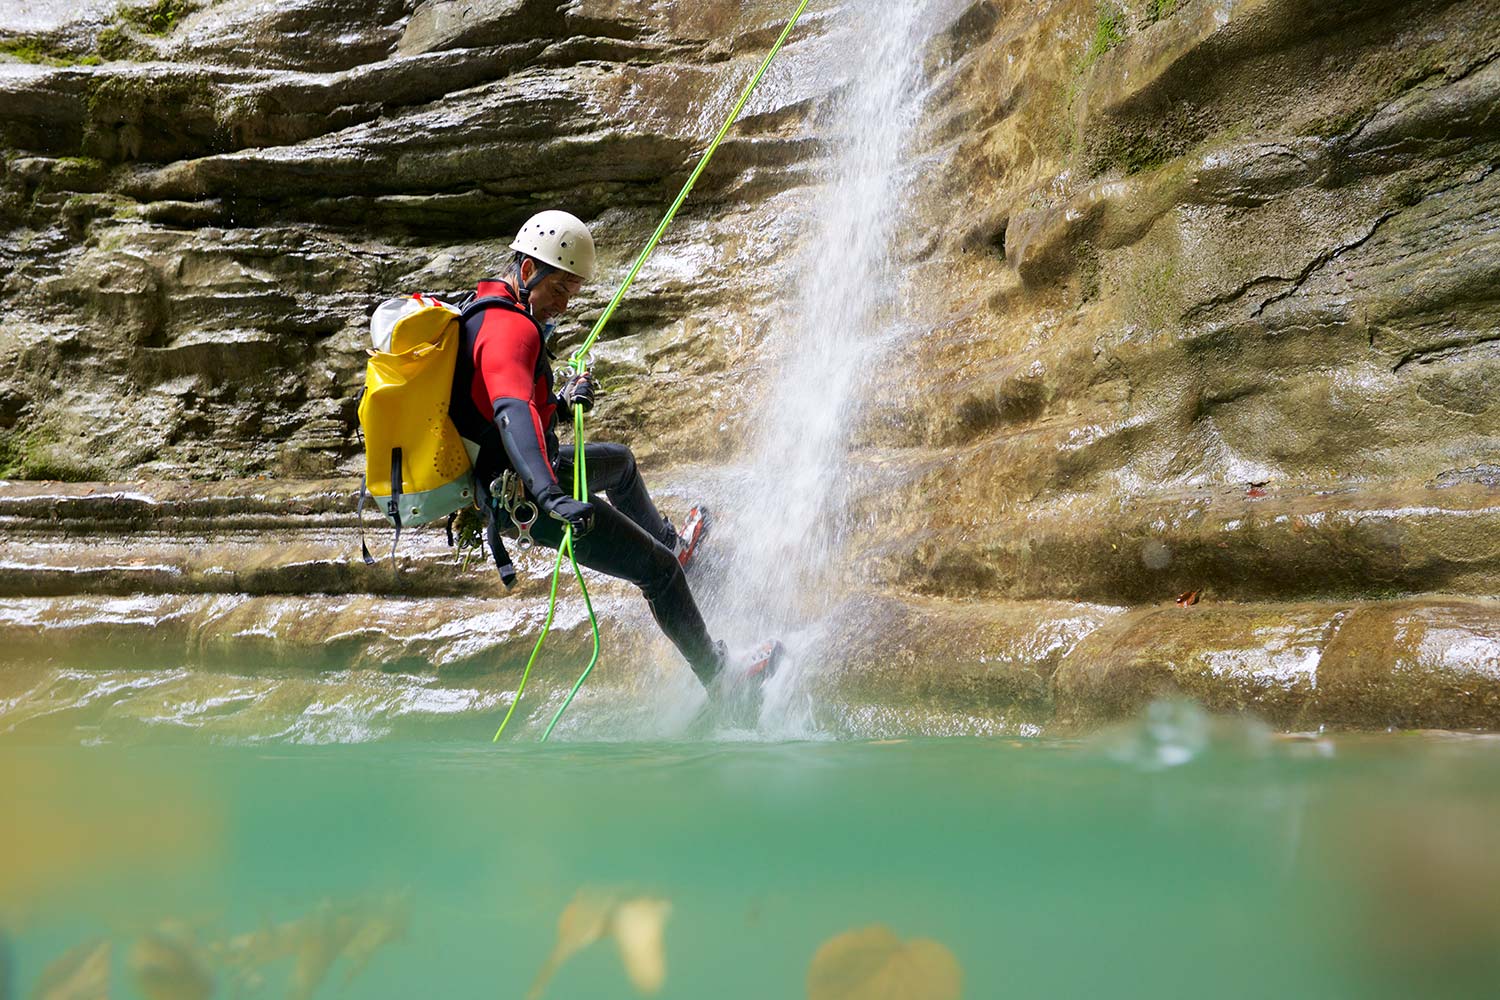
501, 317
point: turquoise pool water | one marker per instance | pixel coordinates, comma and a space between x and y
1177, 857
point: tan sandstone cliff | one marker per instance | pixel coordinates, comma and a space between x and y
1205, 295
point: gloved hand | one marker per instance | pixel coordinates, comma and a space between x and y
569, 511
578, 390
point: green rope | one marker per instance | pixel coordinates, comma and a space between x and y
580, 488
566, 546
579, 364
609, 310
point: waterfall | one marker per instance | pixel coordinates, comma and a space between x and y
788, 522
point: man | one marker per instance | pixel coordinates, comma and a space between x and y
504, 406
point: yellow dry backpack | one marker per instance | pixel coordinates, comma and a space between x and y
416, 467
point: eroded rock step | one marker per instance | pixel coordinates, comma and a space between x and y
239, 537
1244, 543
464, 636
1427, 662
1431, 661
89, 508
1277, 542
279, 561
1423, 662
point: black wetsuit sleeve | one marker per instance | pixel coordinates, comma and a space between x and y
554, 447
518, 423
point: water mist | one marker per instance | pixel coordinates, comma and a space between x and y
783, 538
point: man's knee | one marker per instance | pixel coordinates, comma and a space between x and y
620, 455
665, 573
619, 461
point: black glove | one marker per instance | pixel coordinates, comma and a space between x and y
578, 390
569, 511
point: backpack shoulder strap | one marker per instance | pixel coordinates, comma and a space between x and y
468, 330
478, 306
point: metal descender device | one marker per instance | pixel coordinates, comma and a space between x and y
510, 493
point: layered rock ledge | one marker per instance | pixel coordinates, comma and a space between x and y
247, 579
1200, 299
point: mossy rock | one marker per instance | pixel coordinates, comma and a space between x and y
34, 455
45, 52
159, 18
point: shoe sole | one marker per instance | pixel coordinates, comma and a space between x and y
694, 530
766, 660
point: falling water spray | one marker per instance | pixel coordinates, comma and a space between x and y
790, 524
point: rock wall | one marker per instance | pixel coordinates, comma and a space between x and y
195, 242
1207, 293
1220, 318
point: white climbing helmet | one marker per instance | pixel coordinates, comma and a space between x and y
559, 239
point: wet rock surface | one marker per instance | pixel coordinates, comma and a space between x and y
1418, 663
1204, 297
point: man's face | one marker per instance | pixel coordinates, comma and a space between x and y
549, 299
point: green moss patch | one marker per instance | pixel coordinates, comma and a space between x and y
36, 50
1159, 10
10, 456
1134, 151
29, 456
158, 18
121, 40
1111, 25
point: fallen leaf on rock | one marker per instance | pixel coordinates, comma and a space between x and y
168, 964
1188, 599
872, 963
79, 974
351, 932
385, 923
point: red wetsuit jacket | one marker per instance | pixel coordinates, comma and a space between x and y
511, 384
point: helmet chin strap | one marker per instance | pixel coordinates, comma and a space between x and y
523, 288
523, 292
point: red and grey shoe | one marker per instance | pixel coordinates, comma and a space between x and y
691, 534
765, 661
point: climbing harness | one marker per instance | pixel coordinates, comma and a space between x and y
578, 361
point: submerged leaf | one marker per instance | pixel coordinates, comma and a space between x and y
872, 963
323, 936
583, 922
79, 974
639, 926
351, 932
636, 924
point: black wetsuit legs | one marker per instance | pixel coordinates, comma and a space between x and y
612, 471
624, 545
